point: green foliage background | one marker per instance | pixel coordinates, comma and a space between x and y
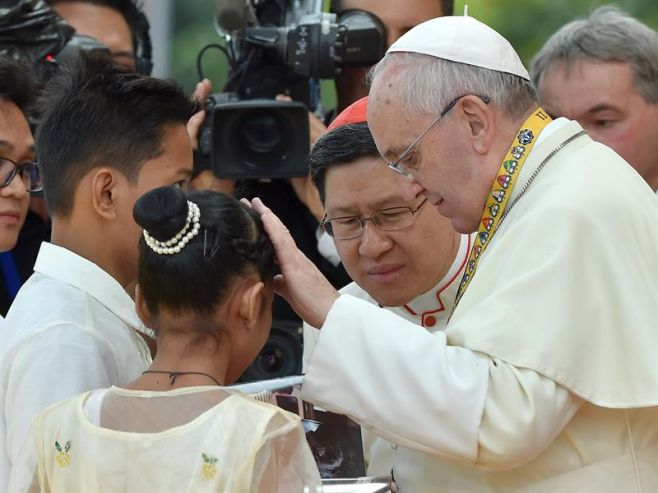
525, 23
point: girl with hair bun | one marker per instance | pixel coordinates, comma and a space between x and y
206, 271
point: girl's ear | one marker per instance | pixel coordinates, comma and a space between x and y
251, 304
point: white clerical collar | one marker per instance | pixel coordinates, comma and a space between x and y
435, 306
552, 127
70, 268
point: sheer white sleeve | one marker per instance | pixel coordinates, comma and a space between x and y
46, 370
26, 474
284, 462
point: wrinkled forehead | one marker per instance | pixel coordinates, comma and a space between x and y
364, 185
389, 121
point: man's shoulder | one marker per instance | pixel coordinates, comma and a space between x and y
592, 180
60, 336
47, 313
43, 300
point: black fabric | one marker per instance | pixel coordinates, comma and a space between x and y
31, 28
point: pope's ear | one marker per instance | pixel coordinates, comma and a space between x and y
480, 121
104, 192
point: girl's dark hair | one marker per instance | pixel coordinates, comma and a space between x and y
231, 243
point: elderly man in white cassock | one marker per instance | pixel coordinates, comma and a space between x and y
546, 376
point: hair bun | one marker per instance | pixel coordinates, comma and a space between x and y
162, 212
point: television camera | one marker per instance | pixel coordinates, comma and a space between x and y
278, 47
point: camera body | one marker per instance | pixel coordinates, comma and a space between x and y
279, 47
250, 139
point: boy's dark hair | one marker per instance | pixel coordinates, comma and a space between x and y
97, 114
342, 145
17, 83
230, 244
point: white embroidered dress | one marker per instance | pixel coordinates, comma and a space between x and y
194, 439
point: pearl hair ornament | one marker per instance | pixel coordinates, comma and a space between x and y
182, 238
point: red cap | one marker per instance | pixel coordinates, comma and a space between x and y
354, 113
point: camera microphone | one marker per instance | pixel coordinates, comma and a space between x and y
229, 15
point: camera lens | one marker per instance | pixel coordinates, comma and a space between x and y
281, 356
261, 139
262, 133
272, 360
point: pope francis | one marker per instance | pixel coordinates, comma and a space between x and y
546, 377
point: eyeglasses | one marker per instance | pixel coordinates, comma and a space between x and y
397, 164
346, 228
29, 173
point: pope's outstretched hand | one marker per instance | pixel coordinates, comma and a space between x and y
300, 283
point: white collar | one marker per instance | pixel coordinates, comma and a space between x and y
70, 268
552, 127
441, 297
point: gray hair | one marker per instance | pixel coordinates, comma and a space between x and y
608, 35
429, 83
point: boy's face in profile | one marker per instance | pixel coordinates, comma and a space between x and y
172, 167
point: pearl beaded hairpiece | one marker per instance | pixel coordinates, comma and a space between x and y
178, 242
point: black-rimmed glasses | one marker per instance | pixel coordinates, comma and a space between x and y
29, 173
397, 164
348, 227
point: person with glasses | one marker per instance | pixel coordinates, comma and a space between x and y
544, 378
19, 174
401, 254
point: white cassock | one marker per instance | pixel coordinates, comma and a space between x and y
546, 377
430, 310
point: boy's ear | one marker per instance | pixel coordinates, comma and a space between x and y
141, 307
251, 303
104, 192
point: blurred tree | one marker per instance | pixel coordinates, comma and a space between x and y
526, 23
194, 29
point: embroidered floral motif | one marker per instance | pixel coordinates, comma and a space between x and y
209, 470
63, 458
